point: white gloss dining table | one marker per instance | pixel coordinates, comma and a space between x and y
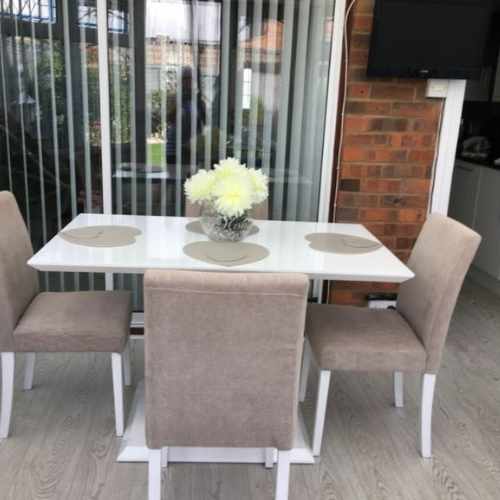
160, 245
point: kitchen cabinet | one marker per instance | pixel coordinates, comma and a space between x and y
480, 90
464, 192
496, 87
487, 222
475, 201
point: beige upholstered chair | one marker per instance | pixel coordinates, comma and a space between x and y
259, 212
222, 355
32, 322
410, 338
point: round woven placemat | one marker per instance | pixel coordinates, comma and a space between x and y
226, 254
341, 243
101, 236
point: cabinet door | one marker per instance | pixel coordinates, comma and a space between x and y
488, 222
496, 88
464, 193
480, 90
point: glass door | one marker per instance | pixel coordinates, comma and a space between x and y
195, 81
190, 82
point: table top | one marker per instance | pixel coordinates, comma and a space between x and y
160, 246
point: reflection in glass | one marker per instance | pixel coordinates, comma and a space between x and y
243, 78
41, 11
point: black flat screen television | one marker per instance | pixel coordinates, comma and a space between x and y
429, 38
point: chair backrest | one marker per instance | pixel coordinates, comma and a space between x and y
222, 355
440, 260
259, 212
18, 281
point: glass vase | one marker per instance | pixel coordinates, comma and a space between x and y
221, 228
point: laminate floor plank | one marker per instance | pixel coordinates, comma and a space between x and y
48, 470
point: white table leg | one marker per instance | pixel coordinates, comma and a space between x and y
127, 366
269, 463
29, 370
320, 415
304, 372
318, 290
164, 457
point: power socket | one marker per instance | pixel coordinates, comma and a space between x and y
437, 88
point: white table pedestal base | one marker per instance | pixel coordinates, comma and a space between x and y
133, 448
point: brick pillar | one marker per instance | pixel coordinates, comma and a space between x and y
390, 135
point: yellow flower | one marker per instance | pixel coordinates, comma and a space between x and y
199, 187
260, 185
233, 196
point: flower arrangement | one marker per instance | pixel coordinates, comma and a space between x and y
227, 193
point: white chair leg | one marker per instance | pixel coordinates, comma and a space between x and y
428, 385
29, 371
154, 475
269, 458
319, 418
283, 475
117, 369
8, 365
304, 372
127, 368
164, 458
399, 392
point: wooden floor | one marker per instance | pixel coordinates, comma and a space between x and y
63, 447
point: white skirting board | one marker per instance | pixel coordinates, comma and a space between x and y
133, 447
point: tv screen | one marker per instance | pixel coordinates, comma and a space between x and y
429, 38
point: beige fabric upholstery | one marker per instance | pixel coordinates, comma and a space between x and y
353, 338
75, 322
222, 355
259, 212
440, 260
51, 322
412, 338
18, 282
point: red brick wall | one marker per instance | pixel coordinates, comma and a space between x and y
390, 132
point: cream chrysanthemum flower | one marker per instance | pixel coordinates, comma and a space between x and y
230, 188
233, 196
199, 187
228, 168
260, 185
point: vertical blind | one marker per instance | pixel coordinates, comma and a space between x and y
190, 82
228, 78
49, 124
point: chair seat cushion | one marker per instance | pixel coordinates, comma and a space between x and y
362, 339
75, 322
